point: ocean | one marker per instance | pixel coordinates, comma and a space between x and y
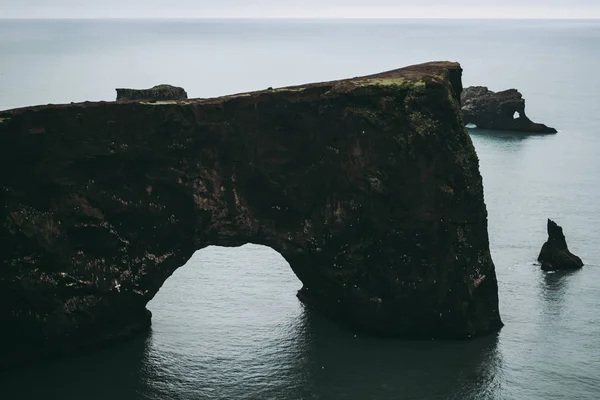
228, 325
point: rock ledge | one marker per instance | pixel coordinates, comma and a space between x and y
157, 93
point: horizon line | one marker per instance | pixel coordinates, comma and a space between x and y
566, 18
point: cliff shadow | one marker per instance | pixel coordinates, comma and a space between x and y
108, 373
342, 364
500, 136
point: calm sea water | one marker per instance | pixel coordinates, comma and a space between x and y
228, 325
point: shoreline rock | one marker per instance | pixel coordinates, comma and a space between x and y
498, 110
555, 254
369, 188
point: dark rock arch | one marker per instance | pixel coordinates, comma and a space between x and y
369, 188
503, 110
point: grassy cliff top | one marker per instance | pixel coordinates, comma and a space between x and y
415, 76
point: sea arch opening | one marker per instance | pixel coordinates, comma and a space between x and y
218, 277
227, 314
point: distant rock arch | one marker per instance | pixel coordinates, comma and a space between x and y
498, 110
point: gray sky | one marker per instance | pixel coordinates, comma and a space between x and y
300, 9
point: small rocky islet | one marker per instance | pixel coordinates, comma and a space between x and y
503, 110
555, 254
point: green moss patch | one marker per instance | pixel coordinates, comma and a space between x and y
376, 184
422, 124
291, 90
398, 82
366, 114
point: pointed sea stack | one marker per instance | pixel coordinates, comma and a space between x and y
555, 254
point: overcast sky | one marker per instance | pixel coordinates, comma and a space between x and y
300, 9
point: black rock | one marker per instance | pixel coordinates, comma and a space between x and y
368, 187
156, 93
500, 111
555, 255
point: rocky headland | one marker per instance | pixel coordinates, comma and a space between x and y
369, 187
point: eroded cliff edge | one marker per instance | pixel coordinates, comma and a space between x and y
369, 187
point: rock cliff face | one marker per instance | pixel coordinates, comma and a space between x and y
157, 93
502, 110
369, 187
555, 254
